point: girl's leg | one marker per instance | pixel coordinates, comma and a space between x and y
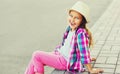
30, 68
40, 59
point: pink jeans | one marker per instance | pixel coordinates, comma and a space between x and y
40, 59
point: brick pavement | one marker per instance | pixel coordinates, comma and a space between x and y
106, 34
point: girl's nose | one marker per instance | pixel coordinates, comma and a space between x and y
72, 19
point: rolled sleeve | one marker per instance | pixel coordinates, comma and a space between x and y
57, 48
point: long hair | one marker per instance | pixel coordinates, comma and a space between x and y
83, 25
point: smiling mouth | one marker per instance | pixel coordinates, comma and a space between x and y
72, 24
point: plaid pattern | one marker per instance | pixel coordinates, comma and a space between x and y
80, 53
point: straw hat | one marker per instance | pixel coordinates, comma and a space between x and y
81, 8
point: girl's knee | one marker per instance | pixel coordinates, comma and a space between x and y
36, 54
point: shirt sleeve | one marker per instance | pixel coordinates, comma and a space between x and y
57, 48
83, 45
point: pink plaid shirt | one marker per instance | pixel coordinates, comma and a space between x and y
80, 53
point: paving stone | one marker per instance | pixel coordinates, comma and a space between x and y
97, 46
108, 55
118, 63
102, 38
107, 47
96, 49
112, 35
94, 52
117, 69
111, 38
108, 52
119, 57
92, 55
117, 38
104, 35
111, 60
96, 36
109, 42
107, 73
113, 42
101, 60
104, 66
100, 42
116, 43
115, 48
107, 70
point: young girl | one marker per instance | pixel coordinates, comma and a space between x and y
74, 52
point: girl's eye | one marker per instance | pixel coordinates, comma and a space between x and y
70, 15
77, 18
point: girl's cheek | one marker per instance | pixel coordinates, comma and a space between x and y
68, 21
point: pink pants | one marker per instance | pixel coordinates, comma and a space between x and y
40, 59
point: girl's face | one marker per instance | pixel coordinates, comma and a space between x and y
74, 19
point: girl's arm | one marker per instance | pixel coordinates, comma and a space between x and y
83, 44
89, 67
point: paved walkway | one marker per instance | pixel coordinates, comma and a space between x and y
106, 32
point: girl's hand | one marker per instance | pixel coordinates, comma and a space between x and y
96, 71
93, 59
